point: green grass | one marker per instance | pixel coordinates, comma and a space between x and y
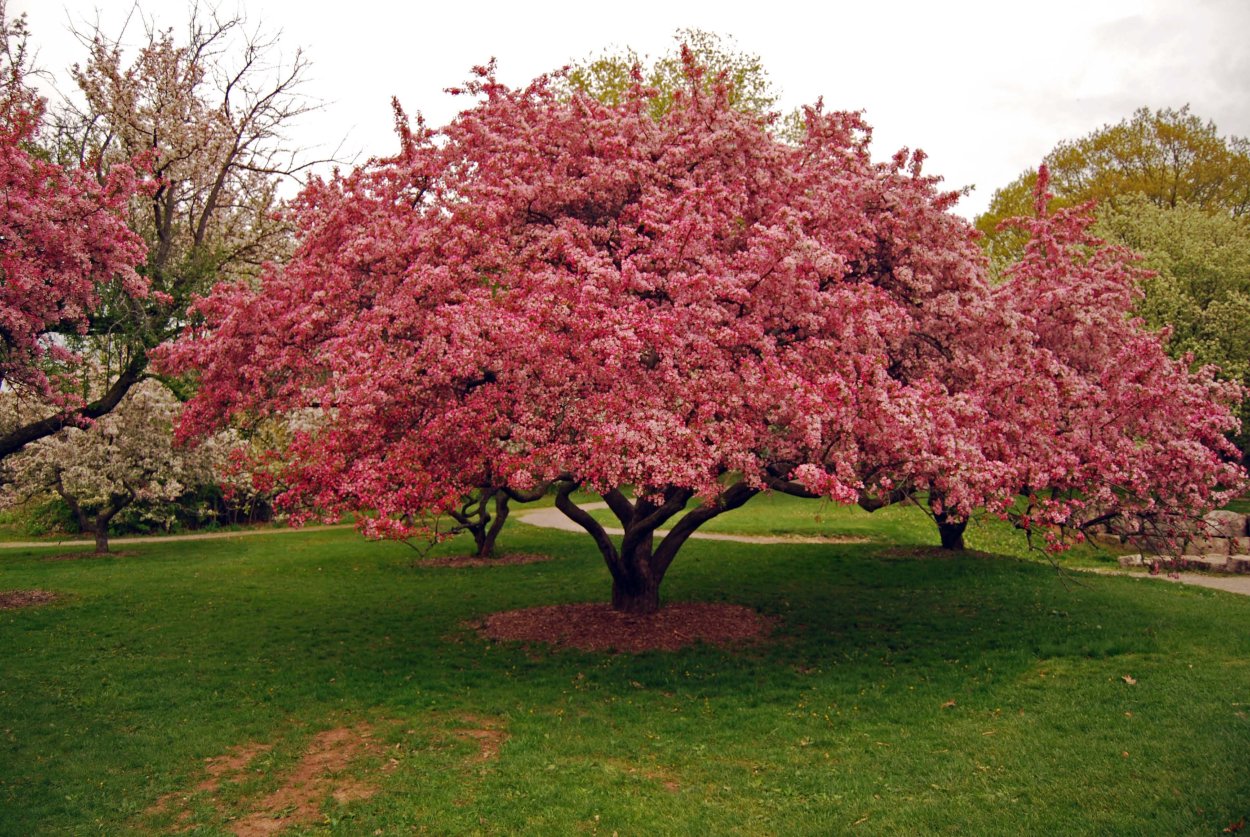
902, 693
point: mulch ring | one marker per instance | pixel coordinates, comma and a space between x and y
13, 599
597, 627
505, 560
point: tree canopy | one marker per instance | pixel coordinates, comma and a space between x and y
202, 114
555, 290
1170, 157
64, 247
610, 76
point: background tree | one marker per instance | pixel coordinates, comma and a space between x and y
610, 76
1201, 288
208, 112
126, 457
1169, 157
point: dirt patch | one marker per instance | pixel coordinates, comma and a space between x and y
13, 599
297, 801
505, 560
487, 732
226, 768
597, 627
231, 765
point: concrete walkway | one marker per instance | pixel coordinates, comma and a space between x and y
1229, 583
193, 536
552, 518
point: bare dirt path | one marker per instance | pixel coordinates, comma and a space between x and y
193, 536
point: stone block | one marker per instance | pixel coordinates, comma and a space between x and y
1227, 524
1216, 563
1239, 564
1130, 560
1207, 546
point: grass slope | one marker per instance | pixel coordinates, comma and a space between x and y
903, 692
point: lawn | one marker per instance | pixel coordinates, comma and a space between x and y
902, 691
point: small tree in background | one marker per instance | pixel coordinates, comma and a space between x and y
1168, 157
126, 457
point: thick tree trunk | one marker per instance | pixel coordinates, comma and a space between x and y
641, 597
951, 532
639, 565
950, 528
102, 539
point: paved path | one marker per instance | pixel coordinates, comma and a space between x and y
193, 536
552, 518
1229, 583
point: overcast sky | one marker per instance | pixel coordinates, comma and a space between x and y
986, 88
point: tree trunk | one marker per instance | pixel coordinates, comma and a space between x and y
490, 533
639, 565
951, 531
639, 596
102, 539
950, 528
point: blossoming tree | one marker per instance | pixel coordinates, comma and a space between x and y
556, 292
64, 243
124, 458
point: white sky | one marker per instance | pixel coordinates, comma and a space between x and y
986, 88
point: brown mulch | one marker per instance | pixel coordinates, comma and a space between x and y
13, 599
507, 559
597, 627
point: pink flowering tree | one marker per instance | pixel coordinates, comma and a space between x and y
1107, 427
556, 292
64, 244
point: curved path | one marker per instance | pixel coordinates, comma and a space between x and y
552, 518
191, 536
